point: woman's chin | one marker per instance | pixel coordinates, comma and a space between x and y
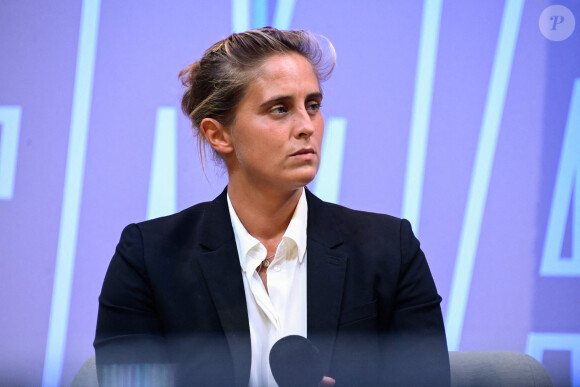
296, 183
305, 180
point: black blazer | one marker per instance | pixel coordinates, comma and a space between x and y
173, 293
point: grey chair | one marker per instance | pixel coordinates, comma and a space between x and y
86, 376
468, 369
496, 368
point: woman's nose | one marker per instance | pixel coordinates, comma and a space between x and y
305, 125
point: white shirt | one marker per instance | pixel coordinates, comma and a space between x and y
282, 312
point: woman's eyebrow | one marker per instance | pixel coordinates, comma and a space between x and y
316, 95
276, 100
283, 98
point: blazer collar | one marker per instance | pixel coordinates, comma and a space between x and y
326, 269
321, 225
217, 224
218, 230
221, 268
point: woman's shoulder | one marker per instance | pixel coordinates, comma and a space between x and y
349, 216
186, 215
175, 229
372, 225
356, 213
206, 221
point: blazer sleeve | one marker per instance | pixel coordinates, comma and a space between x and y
128, 328
157, 322
416, 347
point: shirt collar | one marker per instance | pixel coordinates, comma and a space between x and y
297, 228
296, 232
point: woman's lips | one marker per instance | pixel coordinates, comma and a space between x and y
304, 154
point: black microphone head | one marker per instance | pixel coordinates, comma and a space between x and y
295, 361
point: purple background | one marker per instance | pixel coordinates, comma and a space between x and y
141, 47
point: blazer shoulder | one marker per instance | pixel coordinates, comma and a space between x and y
189, 215
353, 213
352, 219
317, 206
206, 224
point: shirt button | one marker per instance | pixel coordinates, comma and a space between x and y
277, 268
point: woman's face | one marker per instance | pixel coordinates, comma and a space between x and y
277, 130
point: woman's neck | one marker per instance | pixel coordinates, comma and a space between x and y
264, 213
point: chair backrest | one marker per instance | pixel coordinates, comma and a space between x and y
468, 369
86, 375
497, 368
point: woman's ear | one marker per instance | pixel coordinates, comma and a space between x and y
216, 135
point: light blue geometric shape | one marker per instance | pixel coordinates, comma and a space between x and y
163, 182
283, 14
72, 195
244, 18
566, 193
260, 13
538, 343
477, 196
10, 117
419, 134
327, 183
240, 15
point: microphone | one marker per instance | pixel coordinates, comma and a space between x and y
295, 361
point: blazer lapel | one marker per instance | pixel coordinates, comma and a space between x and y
221, 268
326, 268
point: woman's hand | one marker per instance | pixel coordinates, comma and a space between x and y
327, 382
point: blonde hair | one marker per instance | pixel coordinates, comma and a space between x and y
216, 83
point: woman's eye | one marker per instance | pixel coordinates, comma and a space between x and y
313, 107
279, 109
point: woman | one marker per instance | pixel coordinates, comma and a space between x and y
212, 288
